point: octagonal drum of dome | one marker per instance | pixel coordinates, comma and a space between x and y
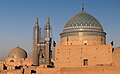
17, 52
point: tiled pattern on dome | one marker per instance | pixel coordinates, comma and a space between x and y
81, 28
83, 19
82, 34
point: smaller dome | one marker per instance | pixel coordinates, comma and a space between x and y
17, 52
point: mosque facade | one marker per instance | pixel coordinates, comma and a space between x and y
83, 43
82, 50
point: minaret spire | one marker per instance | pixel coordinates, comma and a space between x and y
35, 53
48, 22
37, 20
48, 28
48, 42
82, 7
36, 31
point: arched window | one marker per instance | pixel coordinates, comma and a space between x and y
11, 60
85, 62
85, 43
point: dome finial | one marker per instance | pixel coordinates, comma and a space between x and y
82, 7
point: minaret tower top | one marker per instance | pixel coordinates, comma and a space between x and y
36, 32
47, 28
48, 22
36, 20
48, 43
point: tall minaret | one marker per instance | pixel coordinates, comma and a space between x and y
35, 52
36, 32
48, 43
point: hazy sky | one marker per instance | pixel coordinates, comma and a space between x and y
17, 19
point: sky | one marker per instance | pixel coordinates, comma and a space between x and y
17, 19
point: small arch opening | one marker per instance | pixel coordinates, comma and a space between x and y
85, 62
11, 60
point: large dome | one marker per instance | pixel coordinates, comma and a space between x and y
83, 29
83, 21
17, 52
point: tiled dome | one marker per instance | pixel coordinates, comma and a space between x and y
83, 21
17, 52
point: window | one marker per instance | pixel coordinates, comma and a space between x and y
33, 72
85, 43
42, 56
85, 62
18, 67
56, 58
4, 67
11, 60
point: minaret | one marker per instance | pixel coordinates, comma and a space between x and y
36, 33
35, 52
48, 42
